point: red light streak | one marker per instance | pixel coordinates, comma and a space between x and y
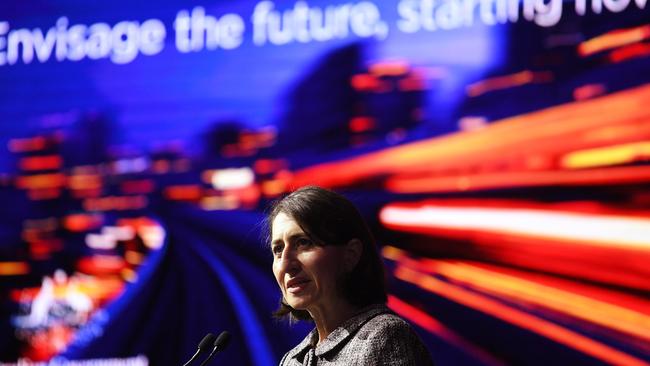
499, 155
630, 52
521, 319
608, 315
47, 162
432, 325
605, 176
613, 39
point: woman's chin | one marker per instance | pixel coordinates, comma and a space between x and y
298, 303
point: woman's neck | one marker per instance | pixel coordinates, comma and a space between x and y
329, 317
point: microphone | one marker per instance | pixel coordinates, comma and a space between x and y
203, 346
219, 345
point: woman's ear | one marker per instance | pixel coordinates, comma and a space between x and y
353, 251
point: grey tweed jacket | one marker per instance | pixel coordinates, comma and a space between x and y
375, 336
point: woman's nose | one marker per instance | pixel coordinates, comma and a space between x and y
290, 262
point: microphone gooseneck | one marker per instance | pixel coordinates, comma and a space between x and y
219, 345
204, 345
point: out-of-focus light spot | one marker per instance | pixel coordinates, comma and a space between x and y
137, 186
13, 268
361, 124
273, 187
101, 264
508, 81
605, 156
134, 258
129, 275
27, 144
602, 230
46, 162
389, 68
258, 139
182, 165
115, 203
40, 181
629, 52
365, 82
232, 178
44, 194
45, 224
82, 222
589, 91
613, 39
85, 181
121, 233
268, 166
161, 166
472, 123
219, 203
411, 83
131, 165
99, 241
41, 249
153, 235
187, 192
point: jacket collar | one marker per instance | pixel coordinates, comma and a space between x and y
339, 335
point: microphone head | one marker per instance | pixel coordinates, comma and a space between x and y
222, 340
207, 341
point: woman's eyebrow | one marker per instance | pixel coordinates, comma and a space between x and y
291, 238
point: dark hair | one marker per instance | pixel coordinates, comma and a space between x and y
329, 218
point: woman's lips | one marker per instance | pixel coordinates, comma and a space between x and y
295, 286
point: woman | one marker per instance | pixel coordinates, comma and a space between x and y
326, 264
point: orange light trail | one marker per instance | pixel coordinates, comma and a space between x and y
519, 318
505, 153
406, 183
13, 268
602, 230
578, 306
432, 325
608, 155
508, 81
614, 39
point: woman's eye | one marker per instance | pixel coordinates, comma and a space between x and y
303, 242
277, 250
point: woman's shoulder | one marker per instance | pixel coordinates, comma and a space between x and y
384, 322
393, 340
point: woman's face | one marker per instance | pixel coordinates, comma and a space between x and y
306, 272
